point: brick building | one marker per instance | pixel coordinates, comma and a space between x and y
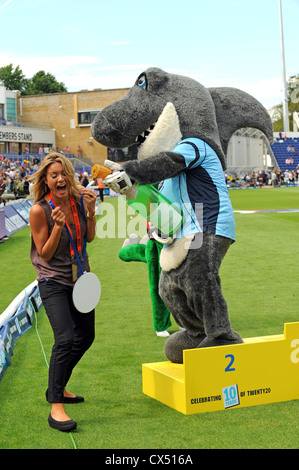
70, 115
15, 137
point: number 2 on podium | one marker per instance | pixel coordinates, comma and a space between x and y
229, 367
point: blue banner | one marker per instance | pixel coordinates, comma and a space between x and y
7, 345
16, 326
22, 210
4, 359
13, 220
35, 299
2, 223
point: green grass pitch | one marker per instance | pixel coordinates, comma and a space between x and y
260, 282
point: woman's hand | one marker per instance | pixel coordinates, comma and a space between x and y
89, 198
58, 216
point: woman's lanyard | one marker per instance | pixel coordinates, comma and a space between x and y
73, 250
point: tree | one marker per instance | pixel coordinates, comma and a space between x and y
13, 79
40, 83
293, 104
43, 83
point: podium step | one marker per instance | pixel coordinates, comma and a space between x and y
261, 370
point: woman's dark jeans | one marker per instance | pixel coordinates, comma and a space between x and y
73, 335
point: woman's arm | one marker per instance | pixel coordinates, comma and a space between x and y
46, 245
89, 198
91, 228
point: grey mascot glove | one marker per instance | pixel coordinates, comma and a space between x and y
119, 181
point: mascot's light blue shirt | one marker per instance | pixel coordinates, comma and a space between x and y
201, 191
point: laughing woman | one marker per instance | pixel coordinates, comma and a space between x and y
56, 215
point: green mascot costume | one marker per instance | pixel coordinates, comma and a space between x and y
148, 251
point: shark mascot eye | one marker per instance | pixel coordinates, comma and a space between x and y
141, 82
186, 129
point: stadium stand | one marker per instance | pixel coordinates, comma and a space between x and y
284, 150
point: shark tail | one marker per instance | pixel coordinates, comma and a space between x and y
236, 109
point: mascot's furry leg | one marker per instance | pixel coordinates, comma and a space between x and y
196, 302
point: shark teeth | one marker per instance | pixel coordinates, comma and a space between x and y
140, 139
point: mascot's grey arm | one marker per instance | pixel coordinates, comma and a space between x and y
155, 169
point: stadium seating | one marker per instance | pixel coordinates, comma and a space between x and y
280, 150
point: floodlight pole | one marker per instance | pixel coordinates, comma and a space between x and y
285, 107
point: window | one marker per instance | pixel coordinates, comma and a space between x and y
11, 109
85, 118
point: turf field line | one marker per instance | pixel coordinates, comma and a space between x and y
267, 211
46, 361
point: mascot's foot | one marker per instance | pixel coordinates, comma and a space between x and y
176, 343
162, 334
229, 338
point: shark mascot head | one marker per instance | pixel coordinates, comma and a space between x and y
211, 114
184, 129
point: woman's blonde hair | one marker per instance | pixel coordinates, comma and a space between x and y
40, 188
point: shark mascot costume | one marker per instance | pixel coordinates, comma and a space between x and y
184, 130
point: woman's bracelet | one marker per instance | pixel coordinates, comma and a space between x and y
93, 217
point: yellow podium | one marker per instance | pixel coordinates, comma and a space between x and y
261, 370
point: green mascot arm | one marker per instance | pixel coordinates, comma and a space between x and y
133, 253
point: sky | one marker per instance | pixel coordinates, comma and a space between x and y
89, 44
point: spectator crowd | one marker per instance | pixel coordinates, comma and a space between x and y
263, 178
15, 177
